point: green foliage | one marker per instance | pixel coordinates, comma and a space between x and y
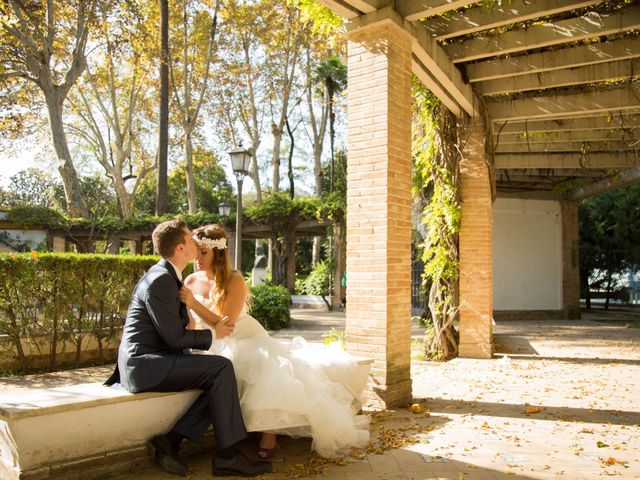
318, 282
334, 201
30, 187
269, 305
212, 187
48, 311
335, 335
29, 216
52, 219
279, 211
97, 193
609, 236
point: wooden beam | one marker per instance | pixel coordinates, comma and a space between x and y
342, 8
476, 19
413, 10
601, 72
554, 106
433, 67
629, 136
553, 174
570, 57
434, 59
567, 160
626, 121
554, 147
527, 194
539, 36
624, 178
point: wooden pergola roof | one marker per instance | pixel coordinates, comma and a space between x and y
560, 80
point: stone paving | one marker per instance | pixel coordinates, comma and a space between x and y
561, 400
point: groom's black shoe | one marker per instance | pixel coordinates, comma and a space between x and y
238, 466
165, 454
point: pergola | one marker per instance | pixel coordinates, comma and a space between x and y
548, 99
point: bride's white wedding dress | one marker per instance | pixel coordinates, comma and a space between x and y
295, 388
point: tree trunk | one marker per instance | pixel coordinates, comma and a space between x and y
75, 203
339, 255
275, 159
608, 291
584, 281
291, 262
292, 192
163, 141
191, 186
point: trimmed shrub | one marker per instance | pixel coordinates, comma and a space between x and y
269, 305
51, 303
318, 282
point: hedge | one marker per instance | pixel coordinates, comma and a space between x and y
269, 304
50, 302
53, 304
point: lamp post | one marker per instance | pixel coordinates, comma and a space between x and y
240, 159
224, 209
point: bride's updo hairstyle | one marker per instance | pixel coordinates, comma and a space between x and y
215, 237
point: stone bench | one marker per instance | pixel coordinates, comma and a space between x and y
86, 431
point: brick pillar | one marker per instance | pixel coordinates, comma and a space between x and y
570, 260
379, 208
476, 248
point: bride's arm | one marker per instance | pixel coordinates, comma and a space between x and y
237, 292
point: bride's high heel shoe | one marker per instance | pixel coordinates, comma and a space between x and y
265, 453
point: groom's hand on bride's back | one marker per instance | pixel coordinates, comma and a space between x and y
223, 329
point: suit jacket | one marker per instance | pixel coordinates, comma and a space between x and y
155, 331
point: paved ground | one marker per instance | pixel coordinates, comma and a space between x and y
560, 401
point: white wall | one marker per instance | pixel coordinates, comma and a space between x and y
527, 255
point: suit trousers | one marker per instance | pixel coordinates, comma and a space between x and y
218, 404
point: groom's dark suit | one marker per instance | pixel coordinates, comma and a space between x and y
151, 358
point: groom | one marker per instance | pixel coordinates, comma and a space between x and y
151, 359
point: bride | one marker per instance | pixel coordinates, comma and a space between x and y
286, 387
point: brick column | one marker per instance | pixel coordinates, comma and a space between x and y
476, 248
570, 260
379, 208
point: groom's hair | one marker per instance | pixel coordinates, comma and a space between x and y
167, 236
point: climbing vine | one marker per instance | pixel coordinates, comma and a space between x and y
436, 170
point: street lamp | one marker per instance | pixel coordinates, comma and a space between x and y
224, 209
240, 159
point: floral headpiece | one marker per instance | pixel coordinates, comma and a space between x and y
217, 244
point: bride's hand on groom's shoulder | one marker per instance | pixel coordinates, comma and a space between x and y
222, 328
186, 297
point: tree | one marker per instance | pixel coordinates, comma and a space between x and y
163, 136
212, 187
193, 78
239, 80
31, 187
283, 47
113, 101
333, 74
609, 235
45, 44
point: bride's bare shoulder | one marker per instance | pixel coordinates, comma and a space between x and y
195, 278
237, 280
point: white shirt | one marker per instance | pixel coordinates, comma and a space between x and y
178, 271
